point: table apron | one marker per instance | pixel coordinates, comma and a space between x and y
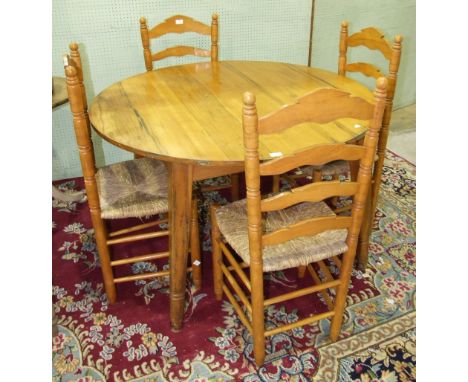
201, 172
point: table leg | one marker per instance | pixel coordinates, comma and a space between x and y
180, 200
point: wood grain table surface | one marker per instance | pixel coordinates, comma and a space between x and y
190, 116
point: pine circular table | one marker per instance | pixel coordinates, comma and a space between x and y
190, 116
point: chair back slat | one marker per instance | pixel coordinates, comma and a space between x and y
78, 105
314, 156
373, 39
180, 50
329, 105
368, 70
307, 227
178, 24
312, 192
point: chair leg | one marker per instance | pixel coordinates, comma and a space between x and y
217, 256
301, 271
100, 234
276, 183
376, 182
258, 319
234, 187
341, 293
195, 247
364, 235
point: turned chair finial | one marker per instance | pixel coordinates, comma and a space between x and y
382, 83
70, 71
249, 98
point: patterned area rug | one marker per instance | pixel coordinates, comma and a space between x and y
132, 341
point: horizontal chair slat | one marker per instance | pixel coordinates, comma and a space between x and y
301, 292
237, 308
307, 227
150, 256
314, 156
180, 50
144, 276
236, 287
137, 227
334, 104
242, 265
368, 70
179, 24
373, 39
142, 236
140, 276
313, 192
304, 321
215, 188
235, 265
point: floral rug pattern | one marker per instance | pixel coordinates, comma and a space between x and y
132, 341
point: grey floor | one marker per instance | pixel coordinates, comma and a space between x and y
402, 138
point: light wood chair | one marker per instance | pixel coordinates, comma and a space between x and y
294, 228
134, 188
183, 24
178, 24
371, 38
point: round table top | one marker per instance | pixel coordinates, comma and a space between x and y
193, 113
59, 91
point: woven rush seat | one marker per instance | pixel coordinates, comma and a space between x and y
339, 167
134, 188
232, 222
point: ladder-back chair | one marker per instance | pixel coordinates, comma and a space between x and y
294, 228
183, 24
178, 24
135, 188
371, 38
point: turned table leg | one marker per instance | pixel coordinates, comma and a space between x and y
180, 201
